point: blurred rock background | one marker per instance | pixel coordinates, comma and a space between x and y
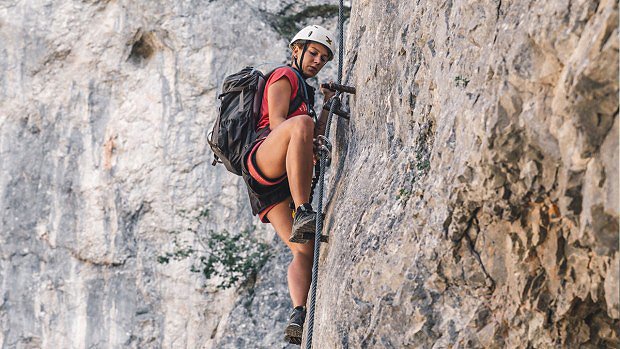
105, 108
473, 198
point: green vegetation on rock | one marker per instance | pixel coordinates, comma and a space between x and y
287, 25
229, 258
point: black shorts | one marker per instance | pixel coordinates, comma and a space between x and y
264, 192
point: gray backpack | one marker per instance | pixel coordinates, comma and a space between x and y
240, 103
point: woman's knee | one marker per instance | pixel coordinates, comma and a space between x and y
303, 125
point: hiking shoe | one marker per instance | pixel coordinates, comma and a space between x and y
304, 224
295, 327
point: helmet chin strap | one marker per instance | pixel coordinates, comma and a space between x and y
300, 60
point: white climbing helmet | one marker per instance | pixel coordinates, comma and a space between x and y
316, 33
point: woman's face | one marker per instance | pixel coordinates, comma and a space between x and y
315, 58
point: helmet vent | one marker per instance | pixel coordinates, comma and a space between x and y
318, 34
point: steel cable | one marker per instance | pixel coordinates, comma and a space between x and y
319, 210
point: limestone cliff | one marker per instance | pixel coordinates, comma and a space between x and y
472, 202
475, 201
104, 112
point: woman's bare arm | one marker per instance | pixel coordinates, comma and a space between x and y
321, 123
278, 97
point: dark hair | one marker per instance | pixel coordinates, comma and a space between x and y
300, 44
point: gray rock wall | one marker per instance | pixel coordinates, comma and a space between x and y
104, 111
475, 200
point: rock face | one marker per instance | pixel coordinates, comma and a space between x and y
473, 196
104, 111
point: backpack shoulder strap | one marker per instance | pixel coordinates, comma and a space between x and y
302, 92
302, 97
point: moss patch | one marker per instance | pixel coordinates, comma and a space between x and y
287, 25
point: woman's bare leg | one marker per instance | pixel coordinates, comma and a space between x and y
288, 150
300, 269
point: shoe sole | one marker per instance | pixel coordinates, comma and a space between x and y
307, 237
301, 238
293, 334
296, 341
304, 233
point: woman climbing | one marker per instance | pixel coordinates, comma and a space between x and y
277, 167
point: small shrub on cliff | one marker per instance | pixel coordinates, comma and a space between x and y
229, 258
288, 24
403, 195
461, 81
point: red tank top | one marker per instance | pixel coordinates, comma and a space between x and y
281, 73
